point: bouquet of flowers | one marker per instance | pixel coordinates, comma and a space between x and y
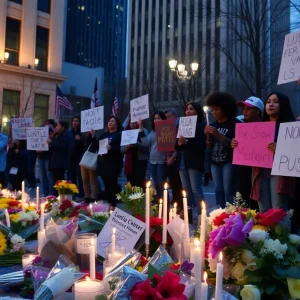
66, 187
9, 203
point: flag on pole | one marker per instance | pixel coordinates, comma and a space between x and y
95, 98
115, 107
61, 100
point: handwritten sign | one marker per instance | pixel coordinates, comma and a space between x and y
19, 126
287, 155
37, 138
187, 127
103, 146
129, 137
165, 135
128, 231
92, 119
290, 60
253, 140
139, 108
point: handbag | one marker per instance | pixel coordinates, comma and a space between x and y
89, 159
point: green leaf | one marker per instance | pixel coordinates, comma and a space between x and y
253, 276
101, 297
269, 290
152, 271
260, 262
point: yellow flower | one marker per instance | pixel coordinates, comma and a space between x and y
260, 227
294, 287
14, 217
238, 273
3, 244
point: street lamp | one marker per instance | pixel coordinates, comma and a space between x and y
6, 56
36, 63
180, 71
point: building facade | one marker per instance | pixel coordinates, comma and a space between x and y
31, 40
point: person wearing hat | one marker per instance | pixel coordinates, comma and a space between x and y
253, 108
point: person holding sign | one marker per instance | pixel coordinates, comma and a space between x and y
218, 138
191, 156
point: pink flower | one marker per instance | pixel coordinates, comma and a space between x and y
100, 207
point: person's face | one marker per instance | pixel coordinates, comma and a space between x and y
134, 125
75, 123
170, 116
112, 124
190, 111
217, 112
250, 113
59, 128
157, 118
272, 106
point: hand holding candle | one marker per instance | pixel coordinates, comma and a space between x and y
206, 109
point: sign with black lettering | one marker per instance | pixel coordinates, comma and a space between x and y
128, 231
139, 109
187, 127
287, 155
290, 61
19, 127
129, 137
92, 119
165, 135
37, 138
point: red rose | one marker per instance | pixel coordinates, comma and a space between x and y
65, 205
174, 267
219, 220
13, 203
271, 217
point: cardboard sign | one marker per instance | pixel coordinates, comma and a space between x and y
290, 61
187, 127
165, 135
37, 138
128, 231
139, 109
287, 155
102, 146
18, 127
253, 140
92, 119
129, 137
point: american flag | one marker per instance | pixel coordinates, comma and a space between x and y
115, 107
61, 100
95, 98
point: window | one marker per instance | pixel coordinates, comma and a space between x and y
16, 1
44, 5
10, 108
41, 108
12, 40
41, 48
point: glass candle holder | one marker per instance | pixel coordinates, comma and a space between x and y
114, 256
107, 266
87, 289
27, 259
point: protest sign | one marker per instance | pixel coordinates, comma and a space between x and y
128, 231
139, 109
18, 127
287, 155
187, 127
92, 119
165, 135
37, 138
129, 137
290, 61
253, 140
102, 146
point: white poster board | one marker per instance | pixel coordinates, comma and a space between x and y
139, 108
37, 138
287, 155
18, 127
128, 231
129, 137
92, 119
187, 127
103, 146
290, 61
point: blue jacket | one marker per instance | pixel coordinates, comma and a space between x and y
3, 145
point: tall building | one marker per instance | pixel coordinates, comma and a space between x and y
31, 39
96, 36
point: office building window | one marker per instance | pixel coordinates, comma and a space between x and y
12, 40
41, 108
41, 48
10, 108
16, 1
44, 5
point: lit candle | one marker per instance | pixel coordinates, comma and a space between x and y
110, 212
197, 268
27, 259
41, 240
92, 260
205, 109
147, 214
113, 241
203, 231
160, 208
204, 287
87, 289
37, 203
42, 217
7, 218
186, 217
171, 215
23, 196
165, 214
175, 209
219, 279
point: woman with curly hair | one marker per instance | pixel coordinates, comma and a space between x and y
218, 139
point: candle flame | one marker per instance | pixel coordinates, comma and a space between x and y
205, 277
205, 109
166, 186
171, 210
203, 205
196, 243
87, 278
221, 256
90, 206
148, 184
160, 201
184, 194
175, 205
114, 230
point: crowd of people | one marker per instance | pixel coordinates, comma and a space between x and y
209, 152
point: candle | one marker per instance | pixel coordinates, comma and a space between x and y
87, 289
171, 215
165, 214
113, 241
37, 197
175, 209
107, 266
160, 208
205, 109
219, 280
27, 259
197, 268
110, 212
203, 231
7, 218
41, 240
42, 216
204, 287
92, 260
147, 214
186, 217
23, 195
91, 208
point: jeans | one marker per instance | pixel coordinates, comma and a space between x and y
158, 174
224, 180
89, 177
46, 177
191, 180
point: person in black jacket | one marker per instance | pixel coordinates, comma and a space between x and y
191, 156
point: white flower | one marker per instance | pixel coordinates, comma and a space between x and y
136, 196
248, 256
118, 197
33, 214
294, 239
16, 239
100, 214
274, 247
24, 216
250, 292
238, 196
257, 235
